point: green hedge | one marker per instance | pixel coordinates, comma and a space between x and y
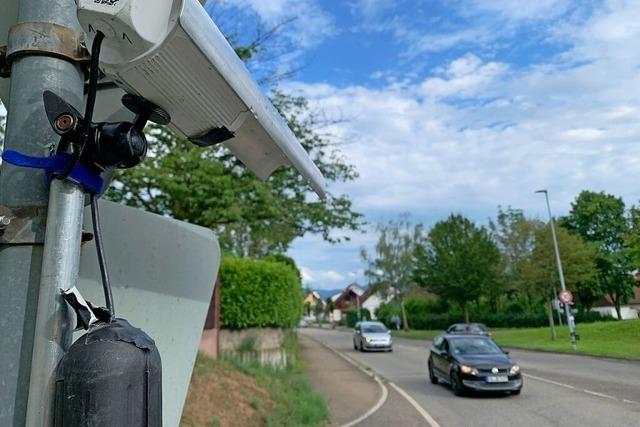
427, 314
259, 294
432, 321
352, 316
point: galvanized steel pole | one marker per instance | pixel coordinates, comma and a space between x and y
29, 287
570, 322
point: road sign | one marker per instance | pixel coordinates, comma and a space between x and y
566, 296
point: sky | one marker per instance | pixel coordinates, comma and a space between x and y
453, 106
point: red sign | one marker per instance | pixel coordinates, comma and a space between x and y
565, 297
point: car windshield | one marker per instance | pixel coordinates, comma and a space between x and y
477, 328
373, 328
474, 346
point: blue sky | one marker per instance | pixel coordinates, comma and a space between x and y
461, 106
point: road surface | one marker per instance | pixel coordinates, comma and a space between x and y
559, 390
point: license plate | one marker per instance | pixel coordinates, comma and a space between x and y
497, 379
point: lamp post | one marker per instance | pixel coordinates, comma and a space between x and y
570, 322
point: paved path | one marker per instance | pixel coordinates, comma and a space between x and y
559, 390
351, 393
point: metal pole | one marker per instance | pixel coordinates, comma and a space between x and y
571, 324
22, 293
60, 265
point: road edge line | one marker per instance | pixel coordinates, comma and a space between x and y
426, 415
385, 393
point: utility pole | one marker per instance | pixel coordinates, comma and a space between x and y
570, 322
44, 52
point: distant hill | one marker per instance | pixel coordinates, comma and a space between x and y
326, 293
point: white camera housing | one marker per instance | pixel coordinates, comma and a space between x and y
171, 53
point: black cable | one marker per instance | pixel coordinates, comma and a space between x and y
97, 233
94, 74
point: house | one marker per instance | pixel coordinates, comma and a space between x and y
352, 296
375, 300
312, 299
629, 310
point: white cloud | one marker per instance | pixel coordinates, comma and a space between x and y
321, 279
464, 76
479, 133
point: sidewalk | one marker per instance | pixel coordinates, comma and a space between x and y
348, 391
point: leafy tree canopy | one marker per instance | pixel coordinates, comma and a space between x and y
578, 263
458, 262
600, 218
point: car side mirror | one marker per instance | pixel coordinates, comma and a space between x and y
506, 351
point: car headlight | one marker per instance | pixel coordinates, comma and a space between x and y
367, 339
514, 369
468, 370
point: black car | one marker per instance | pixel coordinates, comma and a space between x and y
473, 362
469, 329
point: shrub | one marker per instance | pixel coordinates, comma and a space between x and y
259, 294
352, 316
422, 319
386, 311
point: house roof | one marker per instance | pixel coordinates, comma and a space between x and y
606, 301
352, 293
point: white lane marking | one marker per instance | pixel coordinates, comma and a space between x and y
416, 405
544, 380
583, 390
595, 393
384, 394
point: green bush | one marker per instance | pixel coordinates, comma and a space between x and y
386, 311
430, 321
259, 294
352, 316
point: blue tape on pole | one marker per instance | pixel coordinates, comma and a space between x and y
80, 174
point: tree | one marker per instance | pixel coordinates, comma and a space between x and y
330, 305
389, 268
578, 263
458, 262
515, 236
600, 218
318, 310
211, 188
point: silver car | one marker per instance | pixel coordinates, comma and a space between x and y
372, 336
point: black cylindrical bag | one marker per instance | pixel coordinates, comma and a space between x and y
110, 377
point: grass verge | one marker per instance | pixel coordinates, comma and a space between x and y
617, 339
231, 393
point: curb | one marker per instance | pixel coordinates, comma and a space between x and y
366, 371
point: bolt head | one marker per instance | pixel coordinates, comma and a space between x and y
65, 122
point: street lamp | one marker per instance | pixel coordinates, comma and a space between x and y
570, 322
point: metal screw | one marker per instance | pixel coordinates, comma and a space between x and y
4, 221
65, 122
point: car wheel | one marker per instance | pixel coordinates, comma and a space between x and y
516, 392
432, 377
390, 349
361, 347
456, 384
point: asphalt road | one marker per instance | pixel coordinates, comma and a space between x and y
559, 390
